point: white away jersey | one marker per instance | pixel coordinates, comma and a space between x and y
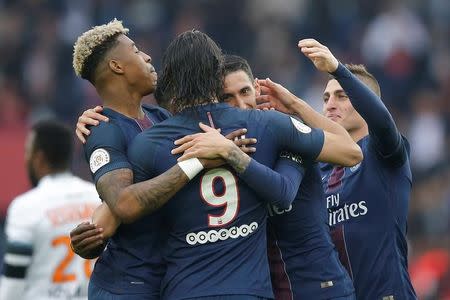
38, 243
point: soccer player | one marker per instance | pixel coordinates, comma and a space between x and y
367, 203
216, 224
303, 261
131, 266
38, 262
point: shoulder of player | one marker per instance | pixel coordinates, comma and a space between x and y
27, 205
160, 112
113, 125
268, 115
105, 132
395, 160
141, 141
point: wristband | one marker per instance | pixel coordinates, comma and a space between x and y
191, 167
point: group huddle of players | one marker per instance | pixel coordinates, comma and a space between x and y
239, 190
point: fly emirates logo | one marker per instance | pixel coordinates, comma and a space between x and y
338, 214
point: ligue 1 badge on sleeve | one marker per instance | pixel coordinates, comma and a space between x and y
99, 158
300, 126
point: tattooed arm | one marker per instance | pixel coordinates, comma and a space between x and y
147, 196
237, 159
108, 187
276, 188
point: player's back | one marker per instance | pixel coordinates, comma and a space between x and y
217, 225
303, 260
368, 206
38, 226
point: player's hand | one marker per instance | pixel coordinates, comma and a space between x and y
239, 139
212, 163
319, 54
90, 116
211, 144
86, 239
275, 96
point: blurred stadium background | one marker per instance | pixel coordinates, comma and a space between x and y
406, 44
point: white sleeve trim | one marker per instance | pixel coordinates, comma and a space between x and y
17, 260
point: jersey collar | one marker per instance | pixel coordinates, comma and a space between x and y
54, 176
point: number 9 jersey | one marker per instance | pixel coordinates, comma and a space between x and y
216, 224
39, 262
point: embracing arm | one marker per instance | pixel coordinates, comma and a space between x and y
383, 131
338, 146
275, 188
145, 197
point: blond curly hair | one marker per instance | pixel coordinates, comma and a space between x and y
92, 40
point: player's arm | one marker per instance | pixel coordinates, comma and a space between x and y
18, 254
383, 132
277, 188
88, 240
337, 147
126, 202
145, 197
148, 195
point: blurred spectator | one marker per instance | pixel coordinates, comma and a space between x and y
427, 132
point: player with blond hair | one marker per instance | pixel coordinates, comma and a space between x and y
129, 268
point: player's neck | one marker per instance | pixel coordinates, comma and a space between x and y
123, 101
46, 171
198, 104
359, 133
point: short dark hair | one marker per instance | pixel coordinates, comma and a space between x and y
191, 71
361, 72
234, 63
54, 139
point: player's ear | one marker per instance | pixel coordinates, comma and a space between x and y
116, 66
257, 87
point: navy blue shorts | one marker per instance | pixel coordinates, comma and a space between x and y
97, 293
231, 297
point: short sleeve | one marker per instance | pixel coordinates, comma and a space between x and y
294, 136
106, 149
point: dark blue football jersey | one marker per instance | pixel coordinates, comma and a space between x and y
131, 262
368, 206
303, 261
368, 203
216, 224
